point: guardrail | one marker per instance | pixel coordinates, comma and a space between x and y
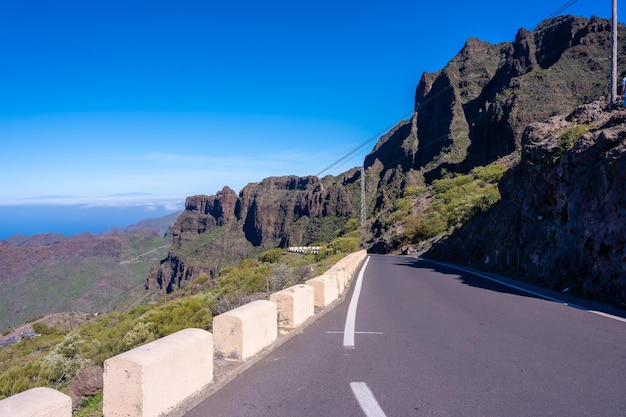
304, 249
154, 379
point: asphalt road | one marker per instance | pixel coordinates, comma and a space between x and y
434, 341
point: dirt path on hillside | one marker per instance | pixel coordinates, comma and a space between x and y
138, 257
63, 321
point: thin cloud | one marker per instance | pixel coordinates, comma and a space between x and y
147, 201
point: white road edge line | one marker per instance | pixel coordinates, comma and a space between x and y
600, 313
527, 291
366, 400
348, 331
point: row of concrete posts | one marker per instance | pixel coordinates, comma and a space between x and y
153, 380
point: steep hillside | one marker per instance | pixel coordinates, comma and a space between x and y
473, 112
52, 273
562, 216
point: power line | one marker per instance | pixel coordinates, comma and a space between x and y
556, 12
376, 136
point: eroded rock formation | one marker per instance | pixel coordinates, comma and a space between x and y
562, 216
222, 229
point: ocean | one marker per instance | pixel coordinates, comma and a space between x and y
70, 220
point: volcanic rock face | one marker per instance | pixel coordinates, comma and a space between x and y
473, 112
222, 229
562, 216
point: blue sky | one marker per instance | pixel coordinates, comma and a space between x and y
147, 102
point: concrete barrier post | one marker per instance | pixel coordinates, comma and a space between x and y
37, 402
295, 305
325, 289
244, 331
352, 263
153, 379
339, 272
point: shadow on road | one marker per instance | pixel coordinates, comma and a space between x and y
506, 285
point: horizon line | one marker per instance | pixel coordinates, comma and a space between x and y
112, 200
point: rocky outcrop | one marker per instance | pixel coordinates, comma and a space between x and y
219, 230
474, 111
86, 383
561, 220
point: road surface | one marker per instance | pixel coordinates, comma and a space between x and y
433, 341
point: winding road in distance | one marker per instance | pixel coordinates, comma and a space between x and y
415, 338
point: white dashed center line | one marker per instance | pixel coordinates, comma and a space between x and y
366, 400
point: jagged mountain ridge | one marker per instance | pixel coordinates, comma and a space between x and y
471, 113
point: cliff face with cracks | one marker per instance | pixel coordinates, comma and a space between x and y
473, 111
562, 216
219, 230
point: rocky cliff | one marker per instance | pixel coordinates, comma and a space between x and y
222, 229
562, 216
473, 111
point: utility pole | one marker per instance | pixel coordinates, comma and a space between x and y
363, 217
613, 98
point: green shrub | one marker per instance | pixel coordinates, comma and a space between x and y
23, 376
106, 335
271, 256
171, 317
344, 245
414, 190
402, 208
567, 138
425, 226
42, 328
491, 173
351, 225
90, 407
339, 246
247, 278
455, 201
202, 279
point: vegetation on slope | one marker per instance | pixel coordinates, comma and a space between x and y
54, 358
425, 212
70, 281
